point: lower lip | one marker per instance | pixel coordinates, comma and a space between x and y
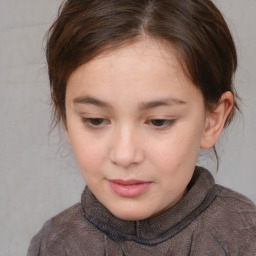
129, 190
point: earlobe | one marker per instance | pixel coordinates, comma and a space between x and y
216, 119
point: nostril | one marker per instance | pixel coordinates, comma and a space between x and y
126, 151
126, 156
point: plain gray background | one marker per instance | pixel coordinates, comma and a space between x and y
38, 175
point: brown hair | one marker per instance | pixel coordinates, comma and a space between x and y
195, 28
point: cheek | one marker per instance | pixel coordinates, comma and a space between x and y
180, 150
89, 155
165, 156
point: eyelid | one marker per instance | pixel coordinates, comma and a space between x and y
168, 122
88, 122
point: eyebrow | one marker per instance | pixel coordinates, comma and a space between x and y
142, 106
93, 101
161, 102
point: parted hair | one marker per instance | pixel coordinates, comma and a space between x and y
194, 28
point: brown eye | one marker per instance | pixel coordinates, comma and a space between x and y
95, 122
158, 122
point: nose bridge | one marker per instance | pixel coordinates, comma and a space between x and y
126, 150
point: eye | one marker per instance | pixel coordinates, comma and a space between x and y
161, 123
95, 122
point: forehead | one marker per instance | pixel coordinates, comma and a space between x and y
145, 54
146, 68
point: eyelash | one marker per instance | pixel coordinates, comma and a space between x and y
164, 123
89, 122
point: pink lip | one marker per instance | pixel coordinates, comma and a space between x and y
129, 188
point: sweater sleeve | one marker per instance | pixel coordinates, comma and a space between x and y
249, 240
35, 244
42, 243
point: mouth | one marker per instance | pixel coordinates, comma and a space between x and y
129, 188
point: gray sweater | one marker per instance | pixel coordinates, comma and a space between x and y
209, 220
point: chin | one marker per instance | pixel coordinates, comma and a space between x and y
131, 215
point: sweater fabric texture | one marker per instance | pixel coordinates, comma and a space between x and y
208, 220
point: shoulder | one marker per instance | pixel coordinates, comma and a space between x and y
234, 203
66, 220
66, 228
229, 222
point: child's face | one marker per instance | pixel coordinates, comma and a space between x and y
135, 123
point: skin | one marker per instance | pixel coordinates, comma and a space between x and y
133, 114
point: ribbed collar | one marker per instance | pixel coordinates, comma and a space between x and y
159, 228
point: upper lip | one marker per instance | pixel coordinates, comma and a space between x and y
128, 182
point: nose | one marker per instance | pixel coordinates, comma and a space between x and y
126, 149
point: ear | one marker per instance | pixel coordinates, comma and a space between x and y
216, 119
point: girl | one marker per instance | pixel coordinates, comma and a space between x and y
140, 87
